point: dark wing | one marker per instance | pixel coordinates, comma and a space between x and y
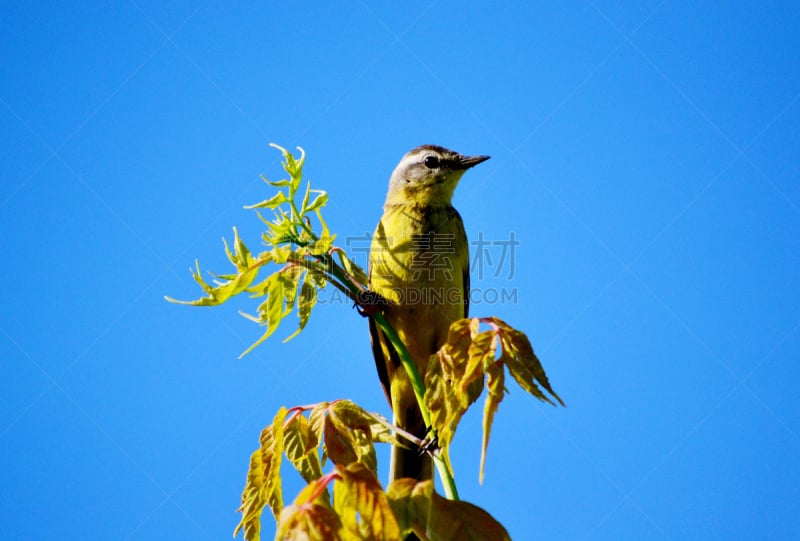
380, 344
465, 278
377, 339
465, 272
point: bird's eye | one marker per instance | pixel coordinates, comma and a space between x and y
431, 162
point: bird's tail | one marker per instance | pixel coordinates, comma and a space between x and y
410, 462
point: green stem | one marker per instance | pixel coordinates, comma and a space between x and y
448, 481
339, 273
408, 364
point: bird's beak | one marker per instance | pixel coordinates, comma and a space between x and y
465, 162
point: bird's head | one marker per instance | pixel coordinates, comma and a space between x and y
428, 175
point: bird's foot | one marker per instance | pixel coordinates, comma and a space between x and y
370, 303
430, 444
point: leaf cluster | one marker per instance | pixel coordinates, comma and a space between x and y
344, 434
471, 360
306, 260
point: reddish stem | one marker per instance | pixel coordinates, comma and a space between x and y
322, 483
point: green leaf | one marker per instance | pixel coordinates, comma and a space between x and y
282, 230
305, 199
281, 254
316, 422
307, 300
355, 272
301, 445
320, 201
363, 506
317, 278
263, 486
357, 426
420, 510
240, 257
326, 234
480, 355
522, 362
320, 246
447, 393
276, 183
347, 436
290, 277
311, 518
292, 166
270, 312
223, 291
310, 522
495, 378
271, 203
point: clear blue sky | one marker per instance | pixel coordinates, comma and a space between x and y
646, 156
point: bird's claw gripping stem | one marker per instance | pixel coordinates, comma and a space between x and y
369, 303
430, 444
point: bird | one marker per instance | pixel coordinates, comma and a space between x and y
419, 267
